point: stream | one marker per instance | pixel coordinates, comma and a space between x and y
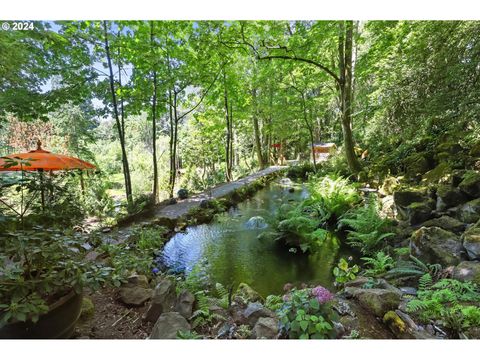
228, 251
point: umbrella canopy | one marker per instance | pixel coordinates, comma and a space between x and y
40, 159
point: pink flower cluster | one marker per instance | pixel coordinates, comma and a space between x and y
322, 294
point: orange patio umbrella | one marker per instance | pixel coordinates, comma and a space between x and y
42, 160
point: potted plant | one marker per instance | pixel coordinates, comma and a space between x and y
42, 275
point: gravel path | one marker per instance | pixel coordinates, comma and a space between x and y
179, 209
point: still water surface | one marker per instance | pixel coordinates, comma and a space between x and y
230, 253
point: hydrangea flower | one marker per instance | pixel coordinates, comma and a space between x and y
155, 270
322, 294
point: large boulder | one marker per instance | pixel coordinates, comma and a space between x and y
467, 271
163, 300
448, 196
470, 184
265, 328
469, 212
185, 304
378, 301
255, 311
446, 223
412, 205
471, 241
435, 245
168, 325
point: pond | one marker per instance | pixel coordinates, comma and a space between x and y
229, 252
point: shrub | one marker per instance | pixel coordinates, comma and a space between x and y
344, 273
306, 314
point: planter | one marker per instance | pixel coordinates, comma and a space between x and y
58, 323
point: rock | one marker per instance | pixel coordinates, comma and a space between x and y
135, 295
378, 301
471, 241
419, 212
167, 326
387, 208
106, 230
247, 294
225, 331
163, 300
467, 271
185, 304
435, 245
265, 328
138, 280
470, 184
255, 311
291, 190
404, 198
469, 212
256, 222
172, 201
472, 332
406, 290
416, 164
475, 150
182, 194
439, 173
403, 327
204, 204
88, 309
448, 196
446, 223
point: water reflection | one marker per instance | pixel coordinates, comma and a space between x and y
230, 252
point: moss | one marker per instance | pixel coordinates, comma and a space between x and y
88, 309
394, 322
440, 172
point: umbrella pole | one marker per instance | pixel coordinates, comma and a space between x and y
42, 190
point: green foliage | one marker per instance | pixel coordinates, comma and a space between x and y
452, 302
202, 316
413, 267
344, 273
302, 316
223, 295
39, 266
368, 228
273, 302
379, 264
331, 197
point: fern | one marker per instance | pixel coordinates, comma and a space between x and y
202, 316
223, 296
368, 229
425, 282
414, 267
379, 264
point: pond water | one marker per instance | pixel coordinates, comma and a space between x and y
230, 253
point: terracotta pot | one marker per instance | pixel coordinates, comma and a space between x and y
58, 323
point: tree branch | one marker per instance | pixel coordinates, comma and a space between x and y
308, 61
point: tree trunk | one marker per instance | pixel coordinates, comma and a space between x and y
256, 131
120, 126
154, 123
345, 57
310, 131
228, 169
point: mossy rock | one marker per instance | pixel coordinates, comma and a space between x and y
436, 245
419, 212
448, 196
440, 173
395, 323
446, 223
469, 212
416, 164
471, 241
88, 309
378, 301
470, 184
245, 292
467, 271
